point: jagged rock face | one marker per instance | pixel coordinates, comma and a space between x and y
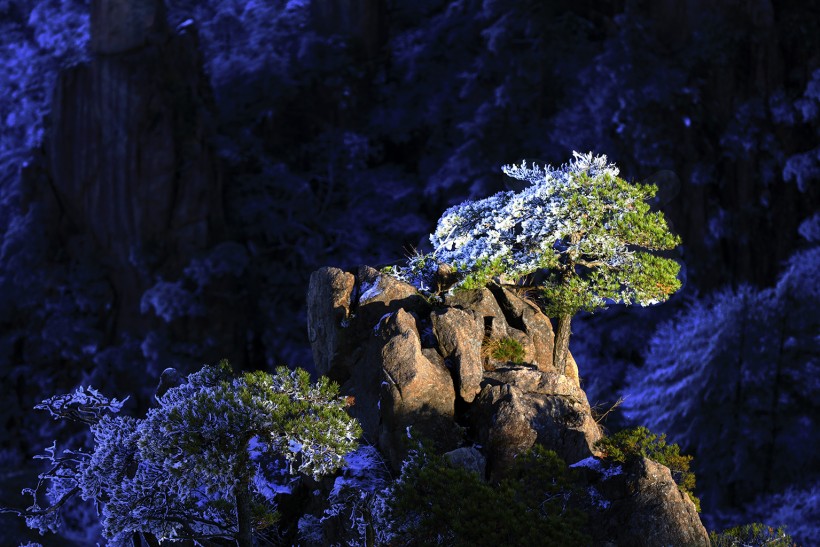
344, 307
415, 393
459, 334
345, 313
409, 364
128, 153
483, 303
638, 504
328, 315
526, 317
520, 406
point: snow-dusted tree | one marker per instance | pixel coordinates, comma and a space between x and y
734, 379
207, 463
591, 230
358, 510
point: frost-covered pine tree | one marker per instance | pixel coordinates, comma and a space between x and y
590, 230
207, 463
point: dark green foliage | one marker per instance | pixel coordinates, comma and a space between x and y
436, 504
640, 442
506, 349
752, 535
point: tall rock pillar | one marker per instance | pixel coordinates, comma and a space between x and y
131, 162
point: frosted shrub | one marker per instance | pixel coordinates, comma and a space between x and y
207, 463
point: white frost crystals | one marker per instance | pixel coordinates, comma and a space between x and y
358, 501
216, 446
513, 229
597, 465
369, 291
85, 405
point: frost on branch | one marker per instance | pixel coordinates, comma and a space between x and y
592, 231
357, 504
85, 405
204, 464
591, 234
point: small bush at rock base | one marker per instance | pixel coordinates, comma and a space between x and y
640, 442
436, 504
507, 349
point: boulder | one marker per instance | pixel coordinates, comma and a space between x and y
502, 417
531, 380
343, 308
416, 394
638, 504
519, 406
468, 457
459, 335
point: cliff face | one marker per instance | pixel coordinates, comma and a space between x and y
129, 155
434, 369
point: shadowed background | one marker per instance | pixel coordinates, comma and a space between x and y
173, 172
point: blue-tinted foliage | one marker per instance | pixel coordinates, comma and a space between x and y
734, 378
340, 144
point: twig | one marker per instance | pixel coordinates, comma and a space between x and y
618, 403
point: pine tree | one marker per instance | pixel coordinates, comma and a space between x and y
592, 231
207, 463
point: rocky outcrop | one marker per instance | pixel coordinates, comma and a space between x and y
415, 392
520, 406
421, 369
328, 315
347, 319
638, 504
410, 363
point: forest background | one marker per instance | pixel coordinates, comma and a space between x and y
336, 133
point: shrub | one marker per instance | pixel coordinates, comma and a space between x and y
433, 503
639, 442
207, 463
505, 349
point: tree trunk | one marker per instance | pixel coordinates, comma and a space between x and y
561, 347
244, 536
